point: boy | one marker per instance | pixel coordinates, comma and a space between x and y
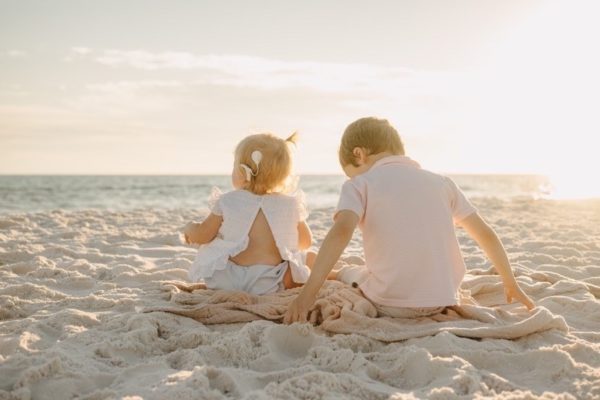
407, 215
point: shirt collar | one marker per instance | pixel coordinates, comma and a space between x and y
404, 160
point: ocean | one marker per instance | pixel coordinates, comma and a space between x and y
47, 192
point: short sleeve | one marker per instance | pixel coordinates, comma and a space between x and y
461, 207
351, 199
214, 201
301, 205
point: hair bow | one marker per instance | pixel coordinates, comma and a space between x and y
256, 158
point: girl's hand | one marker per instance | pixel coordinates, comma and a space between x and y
514, 292
187, 231
202, 233
298, 310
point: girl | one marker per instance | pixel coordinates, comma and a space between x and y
255, 235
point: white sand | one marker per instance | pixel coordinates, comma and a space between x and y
72, 285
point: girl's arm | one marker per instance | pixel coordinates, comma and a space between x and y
204, 232
487, 239
304, 236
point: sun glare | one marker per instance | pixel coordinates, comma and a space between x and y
544, 96
566, 186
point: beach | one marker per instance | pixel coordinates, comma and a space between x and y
75, 284
119, 120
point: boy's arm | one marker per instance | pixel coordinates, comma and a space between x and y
487, 239
334, 244
304, 236
204, 232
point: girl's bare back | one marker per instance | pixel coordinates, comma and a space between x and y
261, 245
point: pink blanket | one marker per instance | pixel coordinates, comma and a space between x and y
341, 309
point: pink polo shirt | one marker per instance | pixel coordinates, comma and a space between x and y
407, 218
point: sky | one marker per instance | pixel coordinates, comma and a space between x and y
170, 87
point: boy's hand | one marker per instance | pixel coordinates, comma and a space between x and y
334, 243
514, 292
487, 239
298, 310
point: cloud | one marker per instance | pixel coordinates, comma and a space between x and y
15, 53
152, 61
33, 119
13, 90
82, 51
123, 99
132, 86
269, 74
180, 79
77, 52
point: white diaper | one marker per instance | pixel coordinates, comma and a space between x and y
254, 279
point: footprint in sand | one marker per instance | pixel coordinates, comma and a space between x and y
289, 341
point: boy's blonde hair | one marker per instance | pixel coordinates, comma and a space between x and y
275, 167
374, 134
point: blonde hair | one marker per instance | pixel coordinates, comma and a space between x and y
374, 134
275, 167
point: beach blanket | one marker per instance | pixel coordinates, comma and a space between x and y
340, 308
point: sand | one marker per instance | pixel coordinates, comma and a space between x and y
73, 286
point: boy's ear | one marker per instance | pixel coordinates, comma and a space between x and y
360, 154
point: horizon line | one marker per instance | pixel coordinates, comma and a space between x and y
228, 174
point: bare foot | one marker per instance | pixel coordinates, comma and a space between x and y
333, 274
288, 282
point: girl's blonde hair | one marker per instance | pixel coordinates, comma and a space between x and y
374, 134
273, 174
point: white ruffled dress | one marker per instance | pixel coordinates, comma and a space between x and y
239, 209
